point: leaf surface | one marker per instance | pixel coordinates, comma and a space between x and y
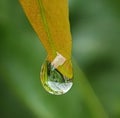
50, 20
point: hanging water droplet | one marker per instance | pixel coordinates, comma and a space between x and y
53, 81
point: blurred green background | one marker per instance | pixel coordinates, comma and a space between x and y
95, 27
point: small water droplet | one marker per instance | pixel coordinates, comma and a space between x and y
53, 81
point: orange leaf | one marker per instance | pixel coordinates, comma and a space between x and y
50, 20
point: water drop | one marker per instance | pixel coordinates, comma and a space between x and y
53, 81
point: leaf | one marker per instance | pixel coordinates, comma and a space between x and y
50, 20
94, 105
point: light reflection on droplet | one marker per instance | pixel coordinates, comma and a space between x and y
53, 81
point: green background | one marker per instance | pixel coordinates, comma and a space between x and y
95, 27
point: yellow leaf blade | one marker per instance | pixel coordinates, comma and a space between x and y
49, 19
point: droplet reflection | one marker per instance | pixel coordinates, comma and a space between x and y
53, 81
